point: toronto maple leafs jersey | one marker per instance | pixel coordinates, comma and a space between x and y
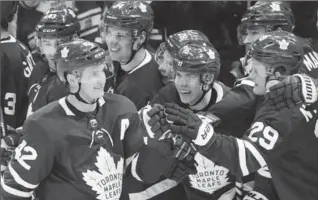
288, 139
16, 67
212, 181
67, 154
142, 83
239, 105
44, 88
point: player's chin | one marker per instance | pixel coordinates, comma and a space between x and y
98, 93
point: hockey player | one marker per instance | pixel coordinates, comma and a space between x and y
259, 19
197, 66
126, 28
16, 67
78, 147
89, 14
275, 137
57, 26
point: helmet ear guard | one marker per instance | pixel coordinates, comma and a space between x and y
207, 79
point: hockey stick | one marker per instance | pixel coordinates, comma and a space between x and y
2, 124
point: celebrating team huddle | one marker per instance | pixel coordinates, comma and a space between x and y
131, 123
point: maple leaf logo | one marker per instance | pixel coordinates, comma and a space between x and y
64, 52
210, 177
283, 44
119, 5
107, 182
275, 7
211, 54
143, 7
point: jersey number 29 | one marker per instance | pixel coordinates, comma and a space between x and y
266, 136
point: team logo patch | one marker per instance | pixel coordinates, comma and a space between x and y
210, 177
107, 181
283, 44
64, 52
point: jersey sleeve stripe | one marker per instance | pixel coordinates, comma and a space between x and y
255, 153
134, 168
154, 190
13, 191
19, 180
242, 157
129, 160
264, 172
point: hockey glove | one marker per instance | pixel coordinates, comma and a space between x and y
8, 144
181, 170
254, 195
155, 121
185, 122
291, 91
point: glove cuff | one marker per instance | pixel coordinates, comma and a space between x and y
308, 88
254, 195
205, 134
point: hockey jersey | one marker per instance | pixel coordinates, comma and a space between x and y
68, 154
142, 83
212, 181
44, 88
16, 67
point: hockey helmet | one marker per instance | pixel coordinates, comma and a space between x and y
198, 58
79, 54
278, 49
268, 14
136, 16
58, 23
8, 9
176, 41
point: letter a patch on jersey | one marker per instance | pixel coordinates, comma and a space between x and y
107, 181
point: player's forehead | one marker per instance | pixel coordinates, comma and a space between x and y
94, 68
186, 73
118, 30
253, 29
53, 40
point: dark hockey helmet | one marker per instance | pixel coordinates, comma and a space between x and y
198, 58
8, 9
79, 54
58, 23
178, 40
136, 16
278, 49
269, 14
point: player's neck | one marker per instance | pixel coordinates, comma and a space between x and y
83, 107
4, 34
203, 103
138, 58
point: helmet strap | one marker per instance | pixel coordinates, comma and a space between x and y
78, 96
133, 53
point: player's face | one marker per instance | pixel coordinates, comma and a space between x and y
166, 66
49, 47
119, 42
258, 76
93, 81
189, 87
253, 34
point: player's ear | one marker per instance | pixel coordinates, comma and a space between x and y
140, 40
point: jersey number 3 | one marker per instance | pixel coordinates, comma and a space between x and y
21, 157
266, 136
10, 101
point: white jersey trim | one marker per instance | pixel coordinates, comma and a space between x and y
19, 180
143, 63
